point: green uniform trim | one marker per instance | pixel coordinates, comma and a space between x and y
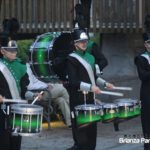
87, 57
17, 69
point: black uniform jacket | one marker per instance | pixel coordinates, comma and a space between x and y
100, 59
77, 74
5, 92
143, 68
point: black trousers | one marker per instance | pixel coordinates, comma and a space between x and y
7, 141
145, 120
85, 136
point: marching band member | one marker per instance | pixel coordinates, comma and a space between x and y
93, 48
14, 81
82, 77
142, 62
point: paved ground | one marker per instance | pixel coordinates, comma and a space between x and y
60, 137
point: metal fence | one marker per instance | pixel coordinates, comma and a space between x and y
38, 16
117, 15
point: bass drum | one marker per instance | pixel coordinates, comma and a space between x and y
42, 54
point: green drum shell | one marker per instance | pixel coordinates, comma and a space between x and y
126, 110
110, 112
26, 119
136, 105
88, 113
41, 56
137, 108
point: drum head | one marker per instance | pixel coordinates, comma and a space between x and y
110, 105
26, 109
127, 104
62, 47
127, 100
88, 107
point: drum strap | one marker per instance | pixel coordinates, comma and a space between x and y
10, 80
147, 57
86, 66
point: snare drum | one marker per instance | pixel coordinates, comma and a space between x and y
26, 119
110, 111
88, 113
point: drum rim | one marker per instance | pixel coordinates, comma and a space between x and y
109, 104
53, 34
29, 134
18, 109
88, 107
133, 103
127, 100
129, 104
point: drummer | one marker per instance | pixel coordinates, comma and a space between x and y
14, 80
81, 74
142, 62
100, 60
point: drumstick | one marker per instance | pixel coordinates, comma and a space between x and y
111, 93
106, 92
122, 88
36, 98
14, 100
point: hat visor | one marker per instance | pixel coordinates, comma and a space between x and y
81, 40
10, 49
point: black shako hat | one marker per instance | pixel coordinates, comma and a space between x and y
11, 46
79, 35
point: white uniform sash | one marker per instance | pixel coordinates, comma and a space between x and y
86, 65
10, 80
147, 57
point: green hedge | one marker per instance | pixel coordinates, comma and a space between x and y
95, 38
23, 48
